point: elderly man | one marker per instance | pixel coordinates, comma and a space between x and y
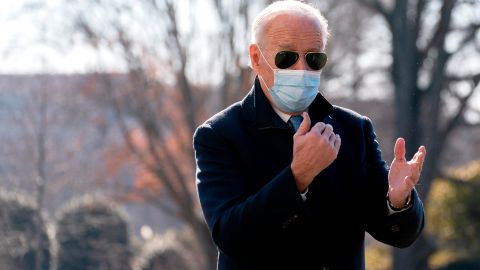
288, 181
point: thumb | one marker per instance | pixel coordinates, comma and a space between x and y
399, 149
305, 125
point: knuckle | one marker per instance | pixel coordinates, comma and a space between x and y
322, 142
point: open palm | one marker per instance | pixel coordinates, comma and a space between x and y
403, 174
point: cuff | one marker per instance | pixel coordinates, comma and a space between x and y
304, 194
392, 210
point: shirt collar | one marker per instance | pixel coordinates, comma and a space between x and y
285, 117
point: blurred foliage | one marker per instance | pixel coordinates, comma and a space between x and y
170, 250
463, 264
164, 259
92, 234
378, 256
18, 230
453, 217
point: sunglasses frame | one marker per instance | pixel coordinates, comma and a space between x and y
305, 55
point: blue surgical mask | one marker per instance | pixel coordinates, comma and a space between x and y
293, 90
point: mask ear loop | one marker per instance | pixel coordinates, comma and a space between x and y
260, 76
263, 56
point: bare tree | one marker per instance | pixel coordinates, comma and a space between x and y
426, 74
162, 102
42, 150
33, 118
164, 98
175, 74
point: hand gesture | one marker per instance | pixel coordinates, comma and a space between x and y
313, 151
403, 174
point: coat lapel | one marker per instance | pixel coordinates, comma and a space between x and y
257, 110
272, 136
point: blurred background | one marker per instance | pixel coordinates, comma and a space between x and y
99, 100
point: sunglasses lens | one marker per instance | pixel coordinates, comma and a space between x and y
286, 59
316, 61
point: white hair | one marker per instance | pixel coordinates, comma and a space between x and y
287, 7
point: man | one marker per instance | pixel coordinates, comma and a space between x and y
277, 194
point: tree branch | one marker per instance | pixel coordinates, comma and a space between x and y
378, 7
418, 17
475, 78
456, 119
441, 31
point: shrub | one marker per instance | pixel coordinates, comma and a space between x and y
18, 232
92, 234
167, 251
164, 259
453, 216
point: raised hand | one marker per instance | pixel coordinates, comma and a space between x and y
313, 151
403, 174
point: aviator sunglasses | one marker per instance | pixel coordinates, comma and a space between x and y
286, 59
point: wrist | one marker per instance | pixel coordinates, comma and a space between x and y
302, 188
401, 205
301, 179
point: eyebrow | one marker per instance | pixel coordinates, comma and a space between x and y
290, 46
287, 46
314, 50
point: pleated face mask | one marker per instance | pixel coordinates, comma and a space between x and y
293, 90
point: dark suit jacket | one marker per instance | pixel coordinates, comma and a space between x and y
251, 204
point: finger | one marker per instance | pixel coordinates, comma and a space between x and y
419, 156
318, 128
417, 167
422, 156
399, 150
415, 158
332, 138
328, 131
328, 128
423, 150
305, 125
338, 142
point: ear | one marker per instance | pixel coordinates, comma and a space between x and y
254, 57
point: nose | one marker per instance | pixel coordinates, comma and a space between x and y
301, 63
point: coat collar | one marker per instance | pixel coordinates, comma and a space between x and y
257, 109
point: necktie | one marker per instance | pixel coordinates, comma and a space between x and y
295, 121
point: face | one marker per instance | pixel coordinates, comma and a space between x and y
285, 32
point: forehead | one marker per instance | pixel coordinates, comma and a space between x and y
293, 32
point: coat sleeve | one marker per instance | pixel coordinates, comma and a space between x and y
241, 224
399, 229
